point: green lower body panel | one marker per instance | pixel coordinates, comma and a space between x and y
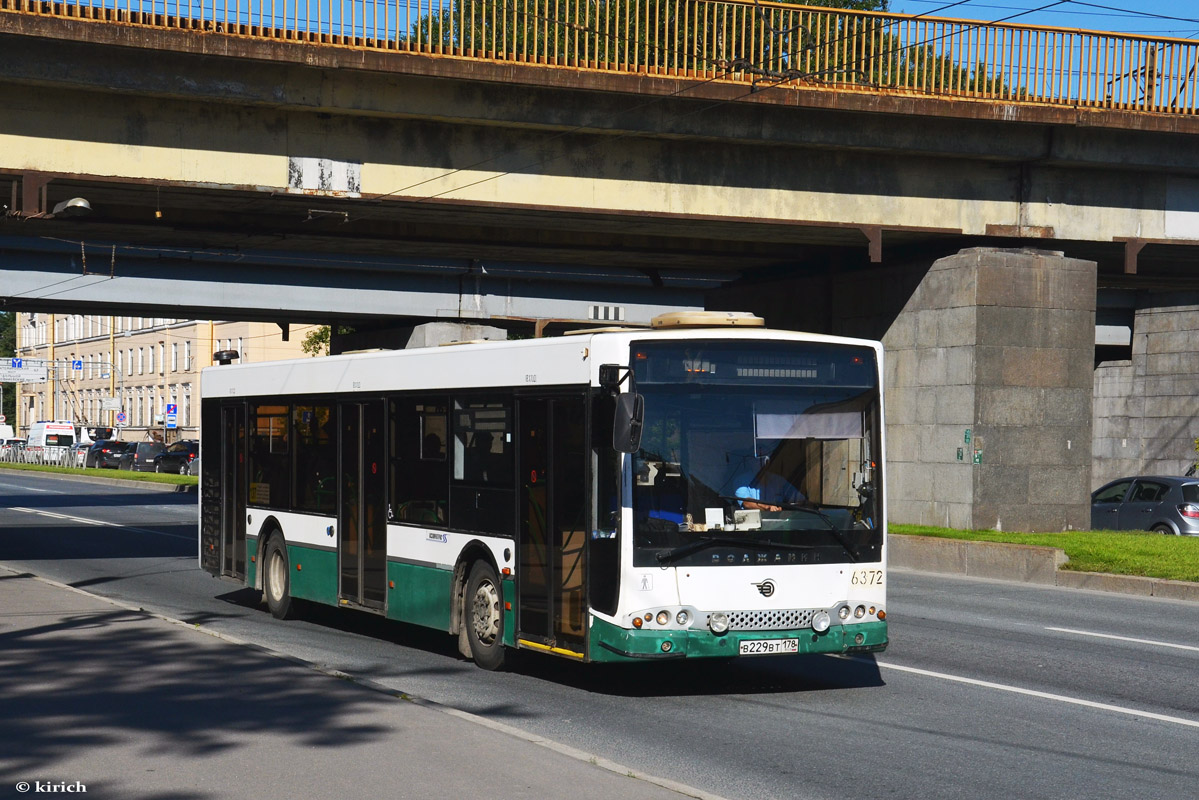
611, 643
313, 574
509, 587
251, 561
421, 595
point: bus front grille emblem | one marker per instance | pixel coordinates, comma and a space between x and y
766, 587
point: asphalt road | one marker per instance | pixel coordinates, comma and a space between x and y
989, 690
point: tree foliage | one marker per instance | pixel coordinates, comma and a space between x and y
767, 44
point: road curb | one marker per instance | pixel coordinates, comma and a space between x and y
1021, 563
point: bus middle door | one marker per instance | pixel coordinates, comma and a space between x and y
362, 505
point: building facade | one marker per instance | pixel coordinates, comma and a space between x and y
124, 372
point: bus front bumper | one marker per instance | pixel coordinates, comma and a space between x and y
609, 642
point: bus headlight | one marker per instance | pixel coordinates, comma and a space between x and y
820, 621
718, 622
663, 617
682, 618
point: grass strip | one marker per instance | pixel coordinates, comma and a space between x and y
124, 475
1150, 555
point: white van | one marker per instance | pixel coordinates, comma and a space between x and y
49, 441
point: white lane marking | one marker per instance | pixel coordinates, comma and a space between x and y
1126, 639
27, 488
1190, 723
86, 521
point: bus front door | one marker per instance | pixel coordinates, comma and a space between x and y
553, 521
362, 505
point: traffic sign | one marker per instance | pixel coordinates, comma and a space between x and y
121, 417
77, 365
172, 409
17, 371
3, 418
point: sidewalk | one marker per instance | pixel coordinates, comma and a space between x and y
138, 707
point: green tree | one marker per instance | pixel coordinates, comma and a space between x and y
767, 44
316, 342
319, 339
692, 36
8, 345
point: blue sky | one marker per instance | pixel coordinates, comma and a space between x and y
1104, 15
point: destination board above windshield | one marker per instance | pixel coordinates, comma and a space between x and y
729, 362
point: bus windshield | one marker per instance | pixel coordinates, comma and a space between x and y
761, 452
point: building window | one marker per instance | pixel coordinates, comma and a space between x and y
174, 356
187, 355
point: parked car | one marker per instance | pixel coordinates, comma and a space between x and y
94, 450
177, 457
106, 454
193, 466
140, 456
1166, 504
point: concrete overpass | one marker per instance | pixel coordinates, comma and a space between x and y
285, 170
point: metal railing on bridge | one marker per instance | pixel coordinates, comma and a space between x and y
758, 44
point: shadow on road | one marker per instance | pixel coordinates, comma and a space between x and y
43, 538
117, 499
102, 679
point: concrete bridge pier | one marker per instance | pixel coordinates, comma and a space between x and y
1145, 405
989, 379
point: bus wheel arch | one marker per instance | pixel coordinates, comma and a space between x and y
276, 573
476, 577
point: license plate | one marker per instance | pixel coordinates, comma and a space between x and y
767, 647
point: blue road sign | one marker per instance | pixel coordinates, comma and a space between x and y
16, 363
172, 408
77, 365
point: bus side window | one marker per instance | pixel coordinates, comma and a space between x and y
270, 457
316, 458
482, 495
419, 491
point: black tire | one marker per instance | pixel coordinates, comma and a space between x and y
276, 578
157, 467
1163, 528
483, 616
183, 468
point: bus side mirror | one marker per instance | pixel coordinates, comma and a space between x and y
627, 422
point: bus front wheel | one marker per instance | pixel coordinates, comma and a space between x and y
277, 578
484, 616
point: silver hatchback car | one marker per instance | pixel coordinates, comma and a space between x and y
1165, 504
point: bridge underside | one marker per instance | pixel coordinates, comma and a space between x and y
337, 178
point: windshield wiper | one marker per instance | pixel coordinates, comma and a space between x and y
704, 542
837, 533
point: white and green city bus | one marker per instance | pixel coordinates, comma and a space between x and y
615, 495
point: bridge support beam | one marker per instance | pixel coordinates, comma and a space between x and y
989, 372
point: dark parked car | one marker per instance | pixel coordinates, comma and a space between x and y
140, 456
104, 453
1165, 504
177, 457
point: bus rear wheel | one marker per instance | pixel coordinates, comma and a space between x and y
484, 617
276, 578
